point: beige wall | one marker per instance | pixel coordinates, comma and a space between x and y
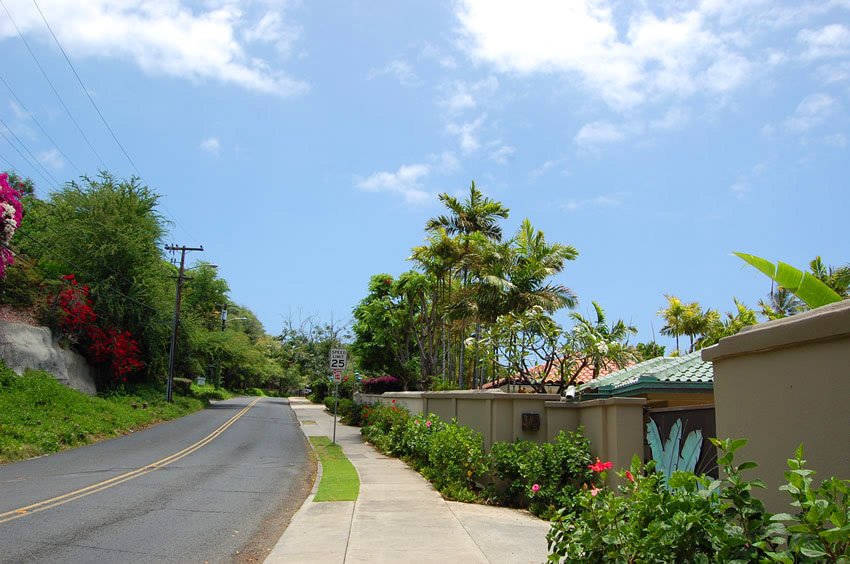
614, 426
784, 383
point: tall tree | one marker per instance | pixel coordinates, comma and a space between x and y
674, 315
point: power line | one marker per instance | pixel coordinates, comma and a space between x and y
56, 92
34, 158
38, 123
3, 134
81, 270
88, 95
83, 86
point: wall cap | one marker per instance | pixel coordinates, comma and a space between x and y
822, 324
595, 403
467, 394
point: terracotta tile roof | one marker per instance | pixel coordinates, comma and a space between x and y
586, 375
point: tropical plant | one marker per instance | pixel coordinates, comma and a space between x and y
671, 456
673, 316
806, 286
837, 278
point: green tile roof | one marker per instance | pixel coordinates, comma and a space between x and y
673, 373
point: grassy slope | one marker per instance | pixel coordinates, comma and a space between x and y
38, 415
340, 481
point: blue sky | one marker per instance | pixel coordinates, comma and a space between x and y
304, 143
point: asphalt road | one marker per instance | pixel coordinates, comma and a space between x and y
216, 486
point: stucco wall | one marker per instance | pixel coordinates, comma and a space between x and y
784, 383
614, 425
25, 347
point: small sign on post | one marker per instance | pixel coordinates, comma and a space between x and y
339, 359
338, 362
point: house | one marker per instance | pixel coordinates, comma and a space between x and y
664, 381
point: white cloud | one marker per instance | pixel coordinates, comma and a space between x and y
673, 55
502, 154
467, 134
674, 119
830, 41
603, 200
406, 181
832, 73
811, 112
598, 133
51, 158
740, 189
211, 145
163, 37
460, 95
838, 140
401, 70
547, 166
446, 162
272, 29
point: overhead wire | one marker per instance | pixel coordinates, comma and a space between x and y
50, 82
3, 134
38, 123
85, 90
25, 148
91, 100
97, 109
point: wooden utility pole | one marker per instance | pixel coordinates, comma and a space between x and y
169, 386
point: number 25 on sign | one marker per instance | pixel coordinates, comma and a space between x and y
339, 359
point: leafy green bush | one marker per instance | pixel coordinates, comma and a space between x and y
384, 425
541, 476
210, 393
690, 518
183, 386
255, 392
354, 416
455, 460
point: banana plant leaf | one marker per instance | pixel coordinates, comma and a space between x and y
690, 452
653, 437
809, 289
670, 458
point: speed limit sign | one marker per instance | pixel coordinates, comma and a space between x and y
339, 359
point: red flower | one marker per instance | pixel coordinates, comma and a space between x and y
600, 466
629, 476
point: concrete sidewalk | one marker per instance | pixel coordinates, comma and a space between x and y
399, 517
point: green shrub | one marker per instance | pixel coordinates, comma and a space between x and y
455, 460
183, 386
557, 469
383, 426
255, 392
696, 519
209, 393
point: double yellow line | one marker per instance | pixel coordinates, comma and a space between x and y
112, 482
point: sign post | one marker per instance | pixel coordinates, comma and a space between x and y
338, 362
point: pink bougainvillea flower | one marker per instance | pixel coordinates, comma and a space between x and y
428, 423
629, 476
535, 488
600, 466
595, 491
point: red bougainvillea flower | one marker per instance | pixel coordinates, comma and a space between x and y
535, 488
600, 466
629, 476
595, 491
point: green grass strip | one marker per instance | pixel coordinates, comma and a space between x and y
340, 481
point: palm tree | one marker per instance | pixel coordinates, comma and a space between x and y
476, 217
781, 303
673, 316
478, 214
696, 322
837, 278
601, 345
